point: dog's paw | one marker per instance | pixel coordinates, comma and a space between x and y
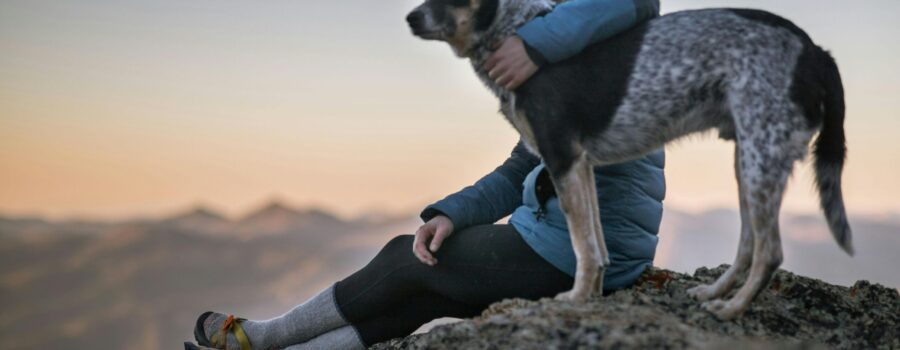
571, 296
702, 292
723, 310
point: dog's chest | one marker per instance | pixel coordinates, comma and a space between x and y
508, 102
519, 121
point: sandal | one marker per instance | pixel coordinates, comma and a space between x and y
218, 339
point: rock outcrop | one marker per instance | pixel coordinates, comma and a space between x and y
794, 312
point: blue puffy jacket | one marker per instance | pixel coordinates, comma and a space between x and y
630, 194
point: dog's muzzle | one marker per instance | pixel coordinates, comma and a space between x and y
418, 23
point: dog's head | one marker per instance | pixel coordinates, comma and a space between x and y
457, 22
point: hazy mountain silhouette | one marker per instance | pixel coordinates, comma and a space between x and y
200, 219
277, 218
139, 284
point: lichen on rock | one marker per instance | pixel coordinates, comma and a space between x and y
793, 312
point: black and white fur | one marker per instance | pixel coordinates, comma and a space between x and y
755, 77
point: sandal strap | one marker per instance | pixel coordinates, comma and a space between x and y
241, 336
231, 324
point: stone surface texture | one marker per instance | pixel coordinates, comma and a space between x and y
794, 312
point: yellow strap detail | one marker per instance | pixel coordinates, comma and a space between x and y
231, 324
241, 336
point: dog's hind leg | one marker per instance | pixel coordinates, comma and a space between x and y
726, 282
765, 167
578, 199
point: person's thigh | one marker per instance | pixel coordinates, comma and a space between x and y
487, 263
476, 266
415, 312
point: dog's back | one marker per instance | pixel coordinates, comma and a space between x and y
672, 68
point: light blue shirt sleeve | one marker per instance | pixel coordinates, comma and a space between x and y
575, 24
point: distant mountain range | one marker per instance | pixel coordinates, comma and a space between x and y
140, 284
274, 218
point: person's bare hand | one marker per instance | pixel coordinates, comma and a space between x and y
431, 234
510, 65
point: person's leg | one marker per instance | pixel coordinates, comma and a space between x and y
478, 266
395, 293
419, 309
344, 338
302, 323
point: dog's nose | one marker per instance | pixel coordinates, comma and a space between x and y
415, 19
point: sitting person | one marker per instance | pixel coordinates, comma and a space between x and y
460, 261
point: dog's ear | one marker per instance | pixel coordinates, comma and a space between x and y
485, 14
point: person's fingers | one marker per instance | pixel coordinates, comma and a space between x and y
420, 245
419, 249
513, 84
504, 79
424, 259
419, 256
495, 59
511, 73
491, 62
499, 71
513, 78
415, 248
528, 70
438, 239
424, 256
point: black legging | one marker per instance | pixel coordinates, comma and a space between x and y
396, 293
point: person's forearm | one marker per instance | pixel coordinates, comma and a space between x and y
575, 24
493, 197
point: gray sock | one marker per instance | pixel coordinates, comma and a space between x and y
344, 338
304, 322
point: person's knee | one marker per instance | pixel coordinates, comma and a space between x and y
399, 243
397, 250
396, 263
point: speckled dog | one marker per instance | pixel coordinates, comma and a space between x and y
755, 77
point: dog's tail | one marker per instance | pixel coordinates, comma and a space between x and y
830, 151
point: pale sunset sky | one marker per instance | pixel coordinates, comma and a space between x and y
122, 108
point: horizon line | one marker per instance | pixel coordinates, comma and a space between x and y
275, 200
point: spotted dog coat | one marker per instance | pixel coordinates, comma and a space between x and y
755, 77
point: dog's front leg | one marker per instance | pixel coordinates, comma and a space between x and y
578, 196
597, 227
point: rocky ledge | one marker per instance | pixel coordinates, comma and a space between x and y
794, 312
